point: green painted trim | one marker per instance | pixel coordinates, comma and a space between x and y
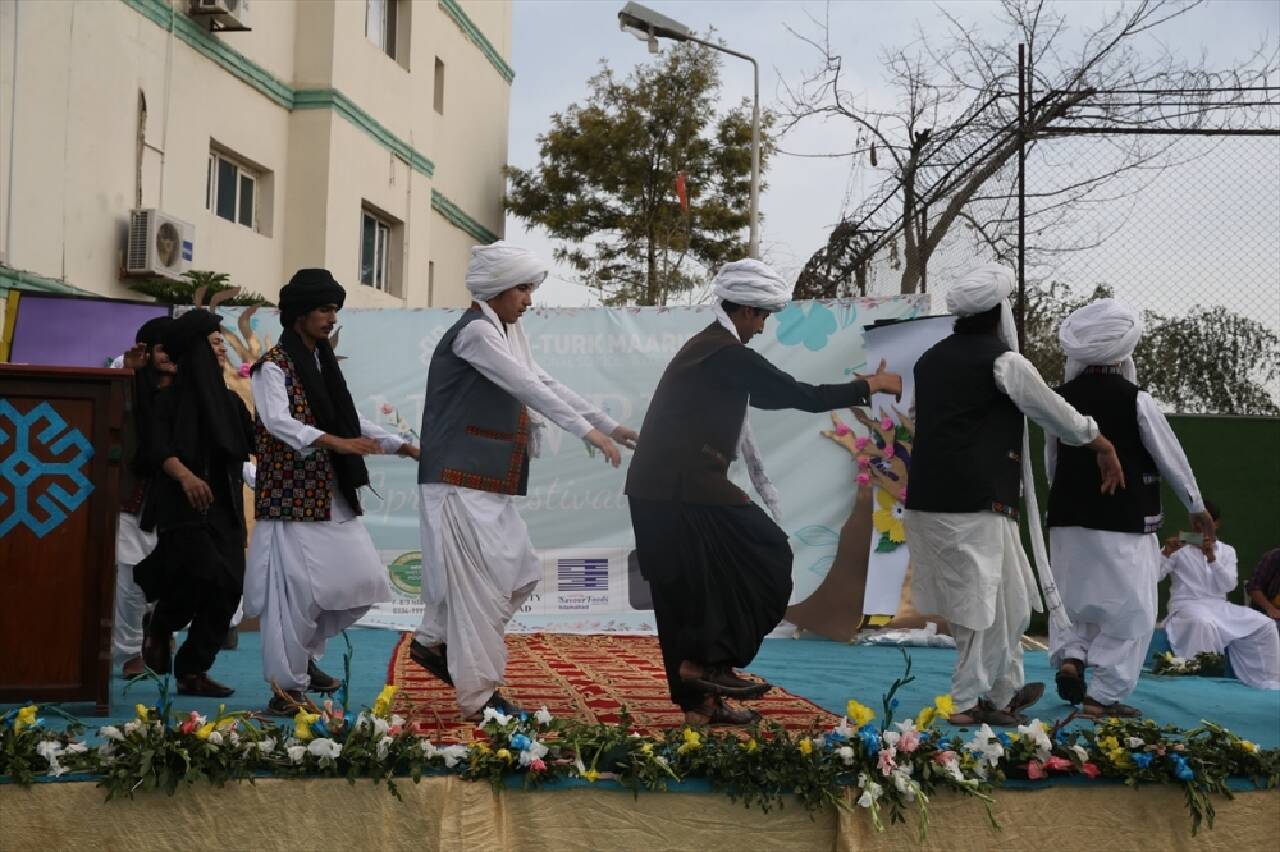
469, 28
341, 104
457, 217
14, 279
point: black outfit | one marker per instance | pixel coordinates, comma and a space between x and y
967, 455
1076, 498
196, 572
719, 567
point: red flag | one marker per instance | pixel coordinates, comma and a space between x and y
682, 191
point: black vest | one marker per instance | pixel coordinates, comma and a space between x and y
967, 454
1075, 500
690, 432
474, 434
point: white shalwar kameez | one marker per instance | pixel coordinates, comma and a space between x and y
1201, 619
1108, 579
478, 564
308, 580
970, 568
132, 546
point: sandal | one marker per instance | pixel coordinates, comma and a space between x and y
1026, 696
723, 682
1094, 709
984, 712
436, 662
1070, 682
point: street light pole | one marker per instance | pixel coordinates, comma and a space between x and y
649, 26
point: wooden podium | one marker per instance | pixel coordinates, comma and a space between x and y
61, 442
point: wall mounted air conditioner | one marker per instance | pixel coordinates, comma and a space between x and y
159, 244
223, 15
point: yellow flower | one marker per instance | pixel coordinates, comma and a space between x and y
647, 748
859, 714
944, 706
806, 746
1248, 746
692, 740
503, 754
302, 725
1109, 744
203, 732
886, 517
925, 718
1013, 738
382, 704
1120, 757
141, 710
26, 717
751, 745
591, 775
480, 746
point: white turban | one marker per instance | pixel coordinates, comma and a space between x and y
750, 283
1101, 333
499, 266
982, 289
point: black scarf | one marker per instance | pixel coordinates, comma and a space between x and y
332, 406
208, 427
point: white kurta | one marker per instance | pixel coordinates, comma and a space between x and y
970, 568
1108, 579
132, 546
1201, 619
308, 580
478, 565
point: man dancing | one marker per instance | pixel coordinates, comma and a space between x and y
1105, 551
313, 570
718, 566
969, 467
482, 421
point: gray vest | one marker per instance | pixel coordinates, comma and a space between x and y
474, 434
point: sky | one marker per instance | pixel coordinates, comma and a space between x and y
558, 45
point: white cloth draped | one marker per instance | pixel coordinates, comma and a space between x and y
1101, 333
1201, 619
307, 580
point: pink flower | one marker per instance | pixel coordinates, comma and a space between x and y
538, 765
885, 761
860, 442
1090, 770
889, 451
191, 724
244, 370
388, 408
864, 462
842, 429
1058, 764
1035, 771
909, 741
886, 423
864, 479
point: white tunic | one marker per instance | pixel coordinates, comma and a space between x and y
959, 558
1198, 592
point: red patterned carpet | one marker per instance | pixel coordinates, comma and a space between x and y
589, 678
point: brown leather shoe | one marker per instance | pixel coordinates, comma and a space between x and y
133, 667
203, 685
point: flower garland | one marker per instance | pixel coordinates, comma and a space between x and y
1204, 664
887, 768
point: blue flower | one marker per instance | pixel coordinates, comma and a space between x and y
320, 729
1004, 739
1181, 770
835, 737
1142, 759
521, 742
893, 705
870, 738
523, 717
1064, 736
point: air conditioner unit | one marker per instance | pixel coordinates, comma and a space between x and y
226, 14
159, 244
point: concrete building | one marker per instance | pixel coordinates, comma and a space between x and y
365, 136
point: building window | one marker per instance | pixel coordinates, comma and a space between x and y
380, 24
375, 240
231, 190
439, 95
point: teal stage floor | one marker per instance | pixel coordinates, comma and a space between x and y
827, 673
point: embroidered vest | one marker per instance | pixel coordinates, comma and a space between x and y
292, 486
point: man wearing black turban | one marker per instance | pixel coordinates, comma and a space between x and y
152, 370
313, 570
200, 437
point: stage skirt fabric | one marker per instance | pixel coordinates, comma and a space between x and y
721, 579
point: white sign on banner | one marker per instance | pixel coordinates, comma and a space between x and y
575, 510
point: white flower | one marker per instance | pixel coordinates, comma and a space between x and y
843, 728
380, 726
297, 752
428, 750
234, 738
846, 754
543, 716
1135, 742
535, 751
131, 726
323, 747
1081, 753
110, 732
870, 793
491, 715
1036, 733
51, 750
266, 745
397, 721
902, 781
215, 738
77, 748
891, 738
985, 745
660, 760
452, 754
383, 748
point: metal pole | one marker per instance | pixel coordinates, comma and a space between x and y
753, 247
924, 255
1022, 192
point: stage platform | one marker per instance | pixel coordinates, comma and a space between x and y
444, 812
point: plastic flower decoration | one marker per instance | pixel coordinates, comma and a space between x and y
944, 705
26, 717
859, 714
925, 717
692, 741
382, 704
302, 721
806, 746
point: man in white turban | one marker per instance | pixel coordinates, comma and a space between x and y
482, 421
718, 566
1104, 546
969, 472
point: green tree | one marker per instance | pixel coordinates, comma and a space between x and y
1211, 361
207, 285
605, 180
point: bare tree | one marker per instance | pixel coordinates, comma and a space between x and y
950, 137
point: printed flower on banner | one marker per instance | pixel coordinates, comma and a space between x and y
812, 329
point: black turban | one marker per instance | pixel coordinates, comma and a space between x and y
307, 290
152, 331
193, 327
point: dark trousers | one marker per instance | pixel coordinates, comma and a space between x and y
209, 610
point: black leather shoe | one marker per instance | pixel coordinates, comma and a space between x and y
320, 681
278, 706
203, 685
436, 663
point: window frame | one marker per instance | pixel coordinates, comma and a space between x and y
379, 267
390, 24
240, 173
